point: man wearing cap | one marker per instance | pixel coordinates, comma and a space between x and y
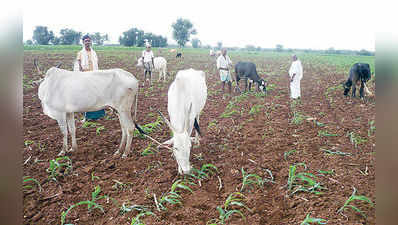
223, 65
295, 75
87, 60
147, 58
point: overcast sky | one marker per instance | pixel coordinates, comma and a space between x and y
294, 24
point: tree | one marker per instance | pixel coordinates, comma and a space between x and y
219, 45
196, 43
132, 37
279, 48
182, 30
29, 42
365, 52
99, 39
42, 36
69, 37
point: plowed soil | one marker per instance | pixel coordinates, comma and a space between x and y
262, 140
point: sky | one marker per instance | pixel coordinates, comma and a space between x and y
293, 24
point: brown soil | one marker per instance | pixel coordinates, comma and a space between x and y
255, 142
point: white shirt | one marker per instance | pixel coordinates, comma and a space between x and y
297, 69
147, 56
223, 62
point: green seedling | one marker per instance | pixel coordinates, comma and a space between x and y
324, 133
225, 211
335, 152
302, 181
28, 179
351, 199
309, 220
88, 124
286, 154
355, 139
173, 197
202, 174
255, 109
28, 142
226, 114
59, 167
148, 150
372, 128
125, 209
136, 220
149, 128
94, 177
251, 179
99, 129
297, 118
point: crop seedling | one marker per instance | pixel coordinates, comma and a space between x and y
59, 166
136, 220
225, 211
204, 173
372, 128
352, 198
148, 128
172, 197
226, 114
28, 142
303, 181
91, 204
309, 220
286, 154
148, 150
335, 152
28, 179
125, 209
255, 109
99, 129
251, 179
119, 185
297, 118
88, 124
324, 133
93, 177
355, 138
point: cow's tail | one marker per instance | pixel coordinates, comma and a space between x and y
135, 107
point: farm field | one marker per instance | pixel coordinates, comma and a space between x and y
286, 159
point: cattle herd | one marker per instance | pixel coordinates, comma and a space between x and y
63, 93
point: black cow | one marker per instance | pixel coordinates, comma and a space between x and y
247, 70
359, 72
179, 55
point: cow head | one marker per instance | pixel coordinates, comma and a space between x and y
181, 144
262, 85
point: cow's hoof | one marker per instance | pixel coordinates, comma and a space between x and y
124, 156
61, 153
116, 153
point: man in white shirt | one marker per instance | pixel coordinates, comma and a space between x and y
147, 58
223, 65
295, 74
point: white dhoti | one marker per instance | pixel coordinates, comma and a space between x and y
295, 91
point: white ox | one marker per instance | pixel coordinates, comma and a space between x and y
186, 98
64, 92
160, 64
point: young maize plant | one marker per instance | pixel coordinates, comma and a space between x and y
298, 118
59, 167
372, 128
335, 152
352, 198
202, 174
324, 133
148, 128
136, 220
251, 179
355, 139
173, 196
309, 220
225, 211
28, 179
91, 204
286, 154
303, 181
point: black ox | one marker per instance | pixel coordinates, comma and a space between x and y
359, 72
248, 71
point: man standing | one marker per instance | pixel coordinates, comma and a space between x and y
223, 65
87, 61
295, 74
147, 58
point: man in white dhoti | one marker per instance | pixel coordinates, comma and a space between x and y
295, 74
223, 65
147, 58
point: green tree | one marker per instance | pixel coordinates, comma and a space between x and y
42, 36
56, 41
29, 42
132, 37
182, 30
279, 48
219, 45
99, 39
196, 43
69, 37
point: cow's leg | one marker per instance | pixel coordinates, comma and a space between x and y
369, 93
124, 135
347, 87
64, 129
237, 89
70, 119
250, 85
245, 83
129, 129
361, 90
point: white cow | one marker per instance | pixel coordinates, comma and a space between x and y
211, 53
64, 92
186, 98
160, 64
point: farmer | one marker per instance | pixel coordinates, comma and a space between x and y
87, 61
223, 65
295, 75
147, 58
